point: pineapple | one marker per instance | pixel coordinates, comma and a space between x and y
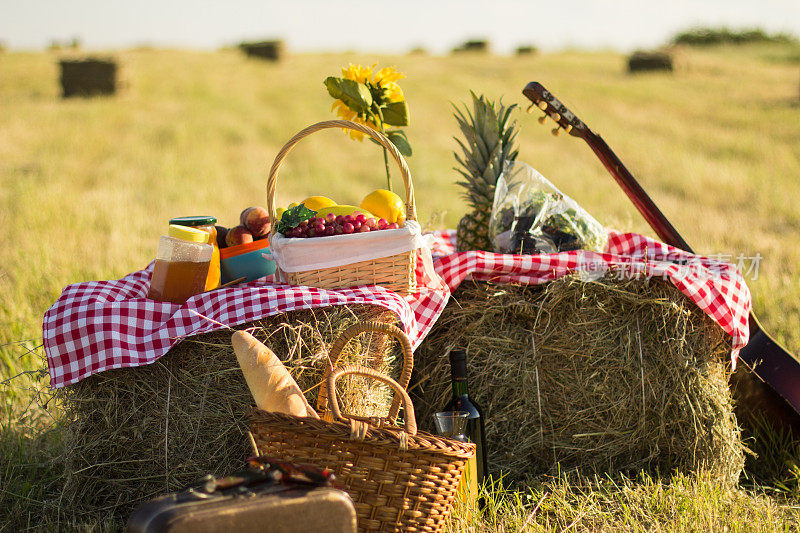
490, 141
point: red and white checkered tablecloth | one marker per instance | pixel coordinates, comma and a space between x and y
100, 325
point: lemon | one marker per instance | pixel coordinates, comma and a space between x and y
318, 202
385, 204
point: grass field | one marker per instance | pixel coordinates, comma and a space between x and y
87, 185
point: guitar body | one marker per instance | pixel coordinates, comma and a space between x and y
772, 389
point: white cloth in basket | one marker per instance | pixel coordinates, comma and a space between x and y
301, 254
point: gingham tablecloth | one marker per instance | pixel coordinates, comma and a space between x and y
100, 325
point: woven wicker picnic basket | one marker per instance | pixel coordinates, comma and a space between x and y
395, 272
399, 479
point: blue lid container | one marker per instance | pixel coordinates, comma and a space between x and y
246, 261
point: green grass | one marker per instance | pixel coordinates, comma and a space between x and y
87, 185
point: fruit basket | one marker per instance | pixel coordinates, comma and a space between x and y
386, 258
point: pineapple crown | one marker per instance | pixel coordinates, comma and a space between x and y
490, 137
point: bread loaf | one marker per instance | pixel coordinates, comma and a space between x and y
270, 383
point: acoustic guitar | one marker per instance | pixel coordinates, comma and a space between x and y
770, 361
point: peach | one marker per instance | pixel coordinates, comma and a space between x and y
256, 220
238, 235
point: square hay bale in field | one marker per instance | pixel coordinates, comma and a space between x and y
133, 433
604, 376
88, 77
643, 61
269, 50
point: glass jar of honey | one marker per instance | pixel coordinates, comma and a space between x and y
205, 223
181, 266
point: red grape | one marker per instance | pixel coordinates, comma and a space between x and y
372, 223
361, 218
303, 224
319, 228
349, 218
382, 223
393, 225
339, 219
337, 230
363, 229
330, 218
356, 225
348, 228
310, 232
329, 230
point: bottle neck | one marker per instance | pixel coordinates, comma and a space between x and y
458, 372
460, 387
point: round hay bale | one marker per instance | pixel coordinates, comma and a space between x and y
136, 432
615, 375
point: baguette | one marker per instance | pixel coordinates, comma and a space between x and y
271, 385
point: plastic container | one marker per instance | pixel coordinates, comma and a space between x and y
205, 223
246, 261
181, 265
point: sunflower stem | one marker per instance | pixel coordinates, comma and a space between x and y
385, 155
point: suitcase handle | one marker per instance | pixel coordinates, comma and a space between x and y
408, 407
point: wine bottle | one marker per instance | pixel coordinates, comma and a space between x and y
462, 402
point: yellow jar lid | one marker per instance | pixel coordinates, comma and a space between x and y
188, 234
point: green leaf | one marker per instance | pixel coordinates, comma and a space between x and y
400, 141
293, 217
355, 95
395, 113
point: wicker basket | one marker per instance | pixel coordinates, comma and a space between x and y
336, 350
399, 480
395, 272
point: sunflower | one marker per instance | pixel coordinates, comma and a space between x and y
383, 88
372, 99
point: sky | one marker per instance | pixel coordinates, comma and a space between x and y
381, 26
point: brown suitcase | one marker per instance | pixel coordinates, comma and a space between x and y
248, 502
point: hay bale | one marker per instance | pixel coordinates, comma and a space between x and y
526, 50
88, 77
480, 46
136, 432
595, 376
270, 50
641, 61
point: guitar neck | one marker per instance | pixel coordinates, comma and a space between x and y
652, 214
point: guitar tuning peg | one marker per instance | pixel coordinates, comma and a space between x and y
556, 132
542, 119
556, 117
529, 110
568, 128
542, 105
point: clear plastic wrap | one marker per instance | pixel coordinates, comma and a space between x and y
531, 216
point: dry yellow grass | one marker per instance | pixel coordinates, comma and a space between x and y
86, 186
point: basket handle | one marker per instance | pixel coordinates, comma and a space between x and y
411, 421
411, 209
345, 337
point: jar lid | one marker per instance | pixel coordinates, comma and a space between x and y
188, 234
194, 221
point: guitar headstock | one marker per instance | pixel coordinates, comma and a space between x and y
553, 108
